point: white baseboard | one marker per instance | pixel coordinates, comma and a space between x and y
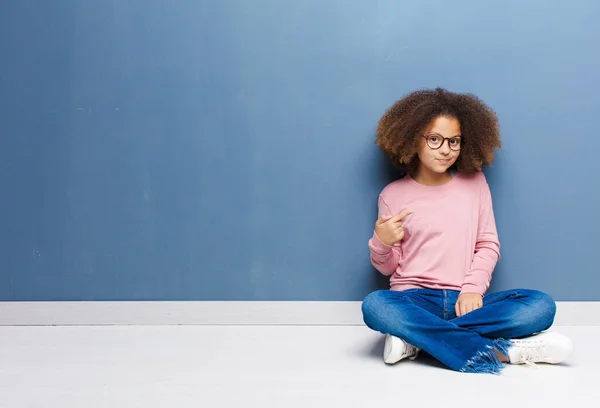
223, 313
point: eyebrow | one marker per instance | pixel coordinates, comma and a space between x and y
439, 134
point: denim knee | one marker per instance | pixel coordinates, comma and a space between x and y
540, 312
370, 308
377, 309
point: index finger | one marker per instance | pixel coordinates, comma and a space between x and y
382, 219
400, 216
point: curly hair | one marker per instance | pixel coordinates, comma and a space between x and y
401, 126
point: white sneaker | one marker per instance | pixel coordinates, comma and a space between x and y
396, 349
547, 347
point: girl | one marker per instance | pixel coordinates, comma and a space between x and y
436, 238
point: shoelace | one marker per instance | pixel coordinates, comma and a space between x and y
529, 352
410, 351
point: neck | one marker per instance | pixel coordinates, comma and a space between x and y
430, 178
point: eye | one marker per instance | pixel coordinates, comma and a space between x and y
434, 139
455, 142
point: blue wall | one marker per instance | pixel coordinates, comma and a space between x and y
223, 150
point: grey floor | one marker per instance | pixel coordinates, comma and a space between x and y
263, 366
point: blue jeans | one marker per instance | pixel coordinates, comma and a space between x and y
426, 319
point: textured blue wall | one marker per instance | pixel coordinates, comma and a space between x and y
224, 149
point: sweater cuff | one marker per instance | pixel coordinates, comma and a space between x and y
378, 246
472, 288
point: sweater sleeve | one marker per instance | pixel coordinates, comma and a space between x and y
384, 258
487, 248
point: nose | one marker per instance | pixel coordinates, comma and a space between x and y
445, 147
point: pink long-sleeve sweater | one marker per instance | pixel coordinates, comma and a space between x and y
450, 239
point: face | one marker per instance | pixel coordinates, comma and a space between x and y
436, 159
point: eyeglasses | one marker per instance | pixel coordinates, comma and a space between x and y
437, 141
